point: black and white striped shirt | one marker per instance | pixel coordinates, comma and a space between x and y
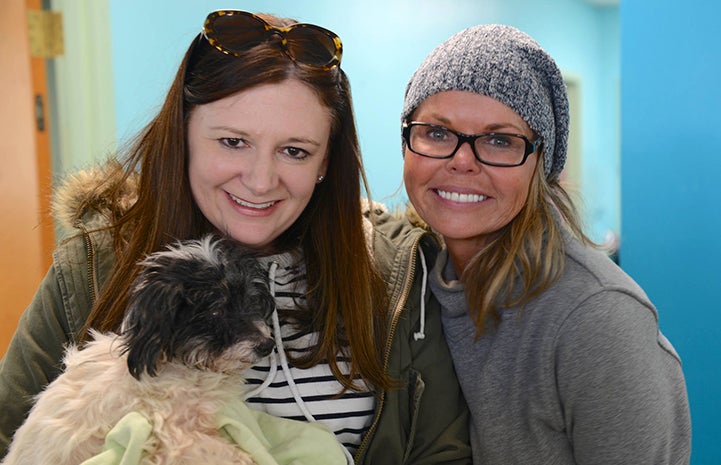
348, 415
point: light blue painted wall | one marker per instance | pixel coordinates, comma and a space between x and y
671, 212
384, 41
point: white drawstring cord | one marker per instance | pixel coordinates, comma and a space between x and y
268, 379
280, 350
286, 370
291, 383
421, 334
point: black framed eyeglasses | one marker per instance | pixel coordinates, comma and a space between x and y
491, 148
233, 32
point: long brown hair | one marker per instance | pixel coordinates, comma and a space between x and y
348, 309
526, 256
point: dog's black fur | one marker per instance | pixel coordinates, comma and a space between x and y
194, 301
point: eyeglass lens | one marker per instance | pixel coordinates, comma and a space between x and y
495, 148
238, 32
309, 45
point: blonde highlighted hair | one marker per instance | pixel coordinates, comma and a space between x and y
525, 257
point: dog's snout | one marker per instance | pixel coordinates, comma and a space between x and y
265, 347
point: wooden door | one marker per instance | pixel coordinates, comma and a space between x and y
26, 232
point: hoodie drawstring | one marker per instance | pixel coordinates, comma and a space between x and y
280, 350
421, 334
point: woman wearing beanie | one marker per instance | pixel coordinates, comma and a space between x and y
558, 351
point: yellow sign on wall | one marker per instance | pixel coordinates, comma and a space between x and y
45, 31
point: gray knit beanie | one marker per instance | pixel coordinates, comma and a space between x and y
503, 63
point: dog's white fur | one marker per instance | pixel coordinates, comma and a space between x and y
69, 422
181, 387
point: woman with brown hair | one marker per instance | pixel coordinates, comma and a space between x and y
256, 141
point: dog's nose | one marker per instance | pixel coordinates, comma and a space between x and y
265, 347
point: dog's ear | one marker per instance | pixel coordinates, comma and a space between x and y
147, 334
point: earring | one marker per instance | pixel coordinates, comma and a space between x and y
320, 179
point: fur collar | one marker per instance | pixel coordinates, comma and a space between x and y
83, 198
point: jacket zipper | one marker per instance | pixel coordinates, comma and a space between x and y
90, 256
391, 334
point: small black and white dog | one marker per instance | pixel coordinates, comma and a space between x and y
198, 316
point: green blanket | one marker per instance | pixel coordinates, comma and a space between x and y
269, 440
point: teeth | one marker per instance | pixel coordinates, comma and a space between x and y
260, 206
462, 198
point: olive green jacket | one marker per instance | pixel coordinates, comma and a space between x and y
423, 422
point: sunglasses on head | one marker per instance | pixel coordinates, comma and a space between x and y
233, 32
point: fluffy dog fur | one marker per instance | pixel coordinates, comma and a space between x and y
197, 317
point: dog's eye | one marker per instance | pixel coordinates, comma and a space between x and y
217, 313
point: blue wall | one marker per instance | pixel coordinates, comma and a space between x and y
384, 41
671, 140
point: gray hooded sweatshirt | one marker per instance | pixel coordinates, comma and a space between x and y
580, 375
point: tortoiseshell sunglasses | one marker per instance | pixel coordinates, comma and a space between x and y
234, 31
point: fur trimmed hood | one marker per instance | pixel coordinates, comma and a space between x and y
376, 213
83, 198
382, 214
